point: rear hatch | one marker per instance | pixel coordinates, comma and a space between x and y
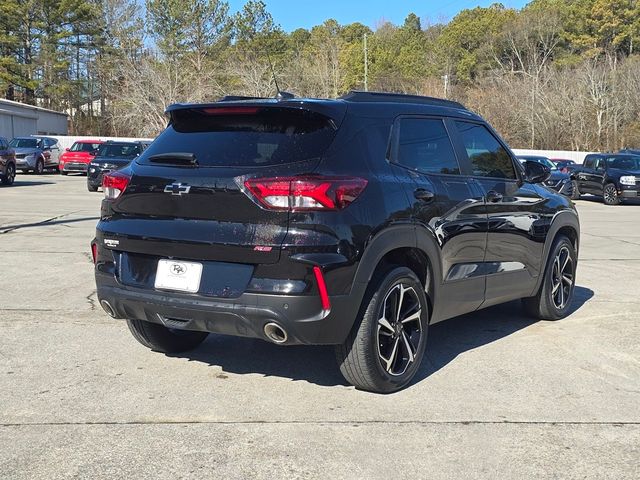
186, 197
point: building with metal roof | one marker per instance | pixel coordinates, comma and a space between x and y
19, 119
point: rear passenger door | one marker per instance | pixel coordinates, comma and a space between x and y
446, 205
514, 251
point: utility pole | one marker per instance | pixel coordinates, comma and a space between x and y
366, 65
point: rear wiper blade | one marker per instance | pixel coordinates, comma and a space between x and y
175, 158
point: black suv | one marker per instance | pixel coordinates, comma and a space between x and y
613, 176
355, 222
7, 162
112, 155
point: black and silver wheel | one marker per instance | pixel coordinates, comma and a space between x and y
39, 168
9, 175
610, 194
162, 339
553, 300
386, 345
575, 191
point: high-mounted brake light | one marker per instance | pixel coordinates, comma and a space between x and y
231, 110
306, 193
113, 184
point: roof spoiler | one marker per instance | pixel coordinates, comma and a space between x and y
359, 96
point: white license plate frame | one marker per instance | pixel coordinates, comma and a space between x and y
178, 276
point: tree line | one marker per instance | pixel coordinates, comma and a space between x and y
557, 74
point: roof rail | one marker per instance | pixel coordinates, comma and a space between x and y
360, 96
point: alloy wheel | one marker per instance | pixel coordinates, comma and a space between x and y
399, 329
610, 194
562, 276
10, 175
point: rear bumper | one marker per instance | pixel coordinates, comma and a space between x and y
301, 316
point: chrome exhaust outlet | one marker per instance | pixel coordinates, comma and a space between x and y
275, 333
106, 306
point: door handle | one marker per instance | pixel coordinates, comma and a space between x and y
493, 196
423, 195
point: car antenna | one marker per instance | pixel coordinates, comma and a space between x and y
280, 95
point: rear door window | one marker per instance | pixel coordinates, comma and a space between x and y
487, 156
243, 136
424, 145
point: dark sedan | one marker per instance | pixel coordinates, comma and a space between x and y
111, 156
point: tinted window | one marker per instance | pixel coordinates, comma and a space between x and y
488, 158
24, 143
424, 145
126, 150
84, 147
624, 163
245, 136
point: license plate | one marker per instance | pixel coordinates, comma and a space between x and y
178, 275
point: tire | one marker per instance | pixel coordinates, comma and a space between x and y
575, 192
371, 342
610, 194
62, 172
162, 339
553, 302
91, 188
9, 175
39, 168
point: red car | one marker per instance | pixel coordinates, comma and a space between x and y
77, 158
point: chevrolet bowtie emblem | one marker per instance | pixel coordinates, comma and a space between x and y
177, 189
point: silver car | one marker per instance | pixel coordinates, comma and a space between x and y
36, 154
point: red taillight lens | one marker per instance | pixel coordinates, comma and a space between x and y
322, 288
94, 252
113, 184
306, 193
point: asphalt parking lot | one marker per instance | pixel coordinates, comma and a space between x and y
498, 396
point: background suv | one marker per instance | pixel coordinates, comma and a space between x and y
36, 154
111, 156
77, 158
7, 162
355, 222
613, 176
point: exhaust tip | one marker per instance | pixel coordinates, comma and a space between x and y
275, 333
106, 306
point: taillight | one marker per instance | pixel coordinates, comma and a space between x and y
306, 193
113, 184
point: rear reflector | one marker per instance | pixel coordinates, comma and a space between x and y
94, 252
113, 184
322, 288
306, 193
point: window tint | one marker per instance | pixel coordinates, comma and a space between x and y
24, 143
589, 162
488, 158
126, 150
624, 163
242, 136
84, 147
424, 145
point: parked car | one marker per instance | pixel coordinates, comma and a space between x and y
7, 162
78, 157
563, 164
354, 222
613, 176
111, 156
36, 153
558, 181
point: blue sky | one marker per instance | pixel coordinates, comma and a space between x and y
292, 14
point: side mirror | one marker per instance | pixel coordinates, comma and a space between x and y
535, 172
67, 149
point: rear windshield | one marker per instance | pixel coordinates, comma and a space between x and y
244, 136
125, 150
624, 163
84, 147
